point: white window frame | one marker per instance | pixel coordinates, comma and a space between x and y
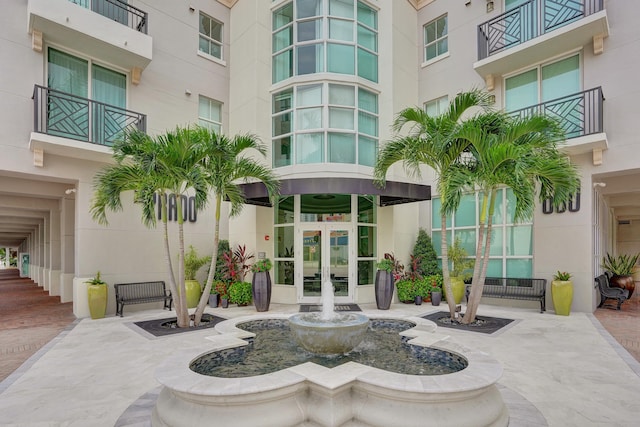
437, 40
437, 102
206, 121
211, 39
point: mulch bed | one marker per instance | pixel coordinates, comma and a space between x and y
162, 327
482, 324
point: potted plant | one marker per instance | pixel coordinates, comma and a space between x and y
240, 293
261, 284
621, 268
193, 263
214, 297
462, 266
435, 285
97, 297
222, 290
420, 289
562, 292
383, 285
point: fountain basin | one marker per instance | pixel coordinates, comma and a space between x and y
338, 335
350, 394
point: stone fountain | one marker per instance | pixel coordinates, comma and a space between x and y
328, 332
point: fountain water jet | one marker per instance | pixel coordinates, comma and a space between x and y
328, 332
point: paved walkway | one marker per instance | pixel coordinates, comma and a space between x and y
570, 368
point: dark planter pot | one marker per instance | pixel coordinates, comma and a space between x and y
436, 297
384, 289
261, 290
624, 282
224, 302
418, 300
213, 300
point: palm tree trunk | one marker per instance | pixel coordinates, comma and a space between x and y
183, 291
212, 269
476, 284
444, 248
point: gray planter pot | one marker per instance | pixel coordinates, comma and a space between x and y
384, 289
261, 290
436, 297
213, 300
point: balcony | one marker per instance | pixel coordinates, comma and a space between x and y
110, 30
73, 126
539, 29
581, 116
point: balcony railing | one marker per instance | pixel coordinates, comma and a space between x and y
119, 11
65, 115
530, 20
579, 114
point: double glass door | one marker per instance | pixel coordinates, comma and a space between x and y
326, 249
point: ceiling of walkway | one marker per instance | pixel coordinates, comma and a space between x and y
622, 192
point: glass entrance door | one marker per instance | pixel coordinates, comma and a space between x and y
325, 256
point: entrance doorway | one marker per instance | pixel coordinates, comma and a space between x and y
325, 254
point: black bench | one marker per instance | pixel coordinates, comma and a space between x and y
514, 288
141, 292
607, 292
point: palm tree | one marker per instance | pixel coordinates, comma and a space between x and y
226, 163
519, 153
154, 169
434, 142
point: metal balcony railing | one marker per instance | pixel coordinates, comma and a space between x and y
530, 20
579, 114
69, 116
119, 11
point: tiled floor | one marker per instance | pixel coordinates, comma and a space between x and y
624, 324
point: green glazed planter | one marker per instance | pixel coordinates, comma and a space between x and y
97, 295
562, 295
193, 290
457, 287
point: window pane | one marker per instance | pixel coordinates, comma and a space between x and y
494, 268
309, 148
342, 8
442, 46
496, 248
429, 33
367, 65
341, 95
435, 213
519, 240
68, 73
367, 214
367, 124
282, 124
367, 38
468, 240
310, 59
341, 118
561, 78
109, 86
441, 27
309, 118
367, 101
436, 240
511, 206
284, 240
342, 148
431, 51
283, 66
283, 272
466, 212
521, 90
367, 149
309, 95
498, 217
282, 152
282, 39
282, 101
310, 30
367, 16
339, 29
283, 16
519, 268
308, 8
205, 25
216, 30
284, 213
366, 272
340, 58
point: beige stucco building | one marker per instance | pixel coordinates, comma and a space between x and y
320, 82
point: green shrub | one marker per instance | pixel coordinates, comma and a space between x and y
240, 293
406, 290
428, 264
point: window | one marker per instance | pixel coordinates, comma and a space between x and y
324, 122
435, 38
511, 249
306, 39
437, 106
210, 36
210, 114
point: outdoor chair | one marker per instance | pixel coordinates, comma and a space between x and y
607, 292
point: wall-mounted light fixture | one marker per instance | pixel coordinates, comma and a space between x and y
489, 6
599, 184
187, 92
69, 191
192, 9
468, 3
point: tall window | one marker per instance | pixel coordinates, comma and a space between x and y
437, 106
435, 38
324, 122
511, 249
210, 36
210, 114
315, 36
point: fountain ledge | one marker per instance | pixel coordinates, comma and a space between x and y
332, 397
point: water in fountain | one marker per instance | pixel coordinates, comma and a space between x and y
328, 298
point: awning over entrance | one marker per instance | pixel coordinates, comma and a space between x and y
394, 193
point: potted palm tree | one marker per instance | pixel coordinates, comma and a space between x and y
461, 266
97, 296
261, 284
193, 263
621, 267
562, 292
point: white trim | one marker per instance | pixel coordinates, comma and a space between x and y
434, 60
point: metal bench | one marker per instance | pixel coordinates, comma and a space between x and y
141, 292
514, 288
607, 292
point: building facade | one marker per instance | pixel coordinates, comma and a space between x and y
320, 82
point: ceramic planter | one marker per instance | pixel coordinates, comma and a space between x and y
213, 300
457, 287
193, 291
261, 290
418, 300
97, 295
436, 297
624, 282
562, 296
224, 302
384, 289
